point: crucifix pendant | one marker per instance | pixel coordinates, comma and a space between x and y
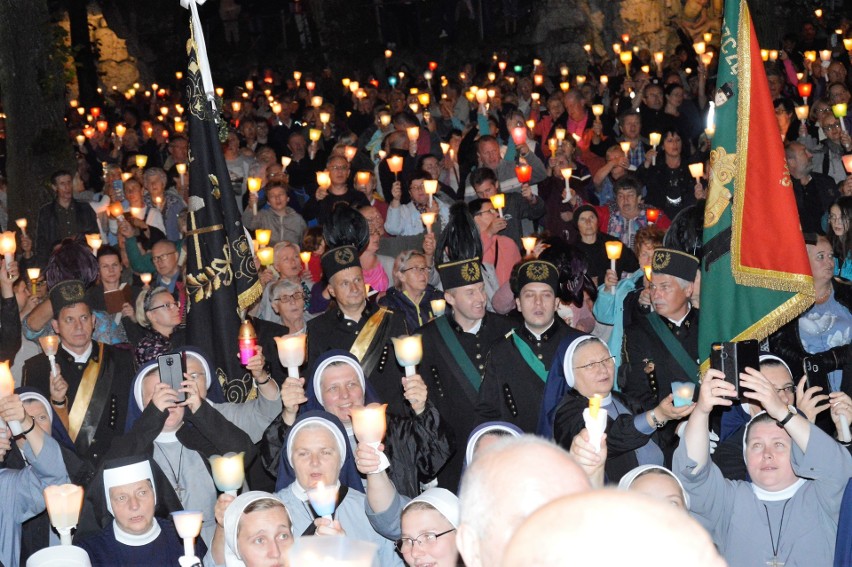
775, 562
181, 493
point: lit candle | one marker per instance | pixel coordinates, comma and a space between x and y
773, 55
847, 163
297, 75
438, 307
146, 279
228, 472
117, 211
363, 178
95, 242
141, 160
316, 101
499, 201
519, 135
188, 526
839, 111
8, 245
50, 346
247, 342
349, 152
81, 139
254, 184
305, 257
413, 135
323, 500
682, 392
22, 224
430, 186
291, 352
648, 271
654, 138
324, 117
285, 162
700, 47
597, 110
323, 179
565, 86
604, 80
388, 53
658, 58
64, 502
263, 235
428, 220
395, 165
625, 147
7, 388
266, 255
847, 45
523, 173
33, 274
613, 252
369, 423
409, 352
529, 244
818, 12
595, 421
181, 169
652, 215
764, 54
697, 170
805, 90
802, 112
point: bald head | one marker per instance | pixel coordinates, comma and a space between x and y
546, 539
506, 483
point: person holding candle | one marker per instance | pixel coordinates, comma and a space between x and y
321, 205
840, 237
412, 293
288, 265
366, 182
61, 218
286, 224
528, 349
168, 202
592, 243
632, 436
814, 191
135, 536
562, 197
405, 220
90, 373
628, 213
661, 347
631, 126
488, 155
143, 216
499, 252
22, 489
519, 206
317, 453
670, 185
828, 154
251, 530
798, 474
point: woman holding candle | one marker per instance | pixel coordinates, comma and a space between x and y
631, 429
592, 243
411, 294
288, 264
670, 185
562, 196
840, 237
316, 454
251, 530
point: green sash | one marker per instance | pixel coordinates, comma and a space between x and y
459, 355
529, 357
687, 364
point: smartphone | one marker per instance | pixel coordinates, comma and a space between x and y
118, 189
732, 358
817, 374
171, 372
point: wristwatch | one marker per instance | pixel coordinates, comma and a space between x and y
791, 412
657, 423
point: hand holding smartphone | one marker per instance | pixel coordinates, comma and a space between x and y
732, 358
172, 367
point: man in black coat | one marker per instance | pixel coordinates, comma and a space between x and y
517, 366
455, 350
91, 386
61, 218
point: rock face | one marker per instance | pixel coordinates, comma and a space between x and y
561, 27
116, 66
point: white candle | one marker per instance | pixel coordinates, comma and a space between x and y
291, 353
613, 252
409, 352
228, 472
7, 388
323, 499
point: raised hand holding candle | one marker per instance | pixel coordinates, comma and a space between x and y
395, 166
7, 388
595, 421
146, 279
50, 346
22, 224
266, 255
409, 352
524, 173
682, 392
369, 424
697, 170
438, 307
430, 186
323, 500
8, 245
839, 111
529, 244
428, 220
654, 138
305, 257
291, 352
188, 526
247, 342
33, 274
64, 502
613, 252
263, 235
228, 472
499, 201
254, 184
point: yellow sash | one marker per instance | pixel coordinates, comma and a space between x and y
84, 394
365, 337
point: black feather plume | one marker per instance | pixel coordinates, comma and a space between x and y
346, 227
460, 238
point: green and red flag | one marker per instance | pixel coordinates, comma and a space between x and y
755, 271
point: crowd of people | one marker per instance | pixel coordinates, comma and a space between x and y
538, 228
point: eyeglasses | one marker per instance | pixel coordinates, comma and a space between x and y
417, 269
831, 127
339, 168
404, 544
161, 257
296, 297
168, 306
605, 363
837, 218
789, 388
486, 212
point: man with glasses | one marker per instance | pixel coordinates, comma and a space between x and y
320, 205
528, 350
405, 220
90, 386
828, 156
814, 191
661, 347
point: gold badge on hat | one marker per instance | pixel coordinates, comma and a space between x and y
537, 271
470, 272
72, 292
344, 256
661, 260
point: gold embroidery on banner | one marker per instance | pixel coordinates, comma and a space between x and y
722, 171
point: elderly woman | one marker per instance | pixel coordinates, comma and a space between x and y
411, 293
159, 313
288, 302
631, 429
792, 464
417, 445
288, 264
823, 333
317, 452
252, 530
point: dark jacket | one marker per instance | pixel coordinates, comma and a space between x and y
415, 315
49, 232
